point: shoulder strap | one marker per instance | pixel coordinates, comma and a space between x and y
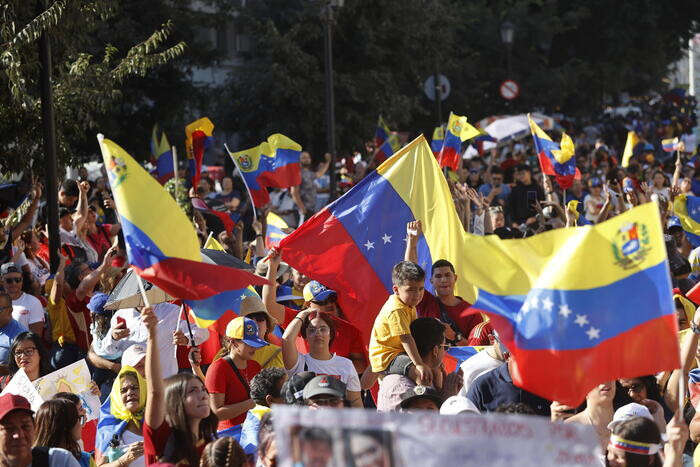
243, 381
271, 357
449, 321
40, 456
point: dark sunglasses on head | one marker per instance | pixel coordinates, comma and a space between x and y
257, 317
10, 280
327, 301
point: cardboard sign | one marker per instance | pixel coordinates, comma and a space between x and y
352, 437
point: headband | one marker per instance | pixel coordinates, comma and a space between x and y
634, 447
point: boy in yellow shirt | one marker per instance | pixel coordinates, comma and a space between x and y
391, 333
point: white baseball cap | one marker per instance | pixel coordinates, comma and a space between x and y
454, 405
133, 355
629, 411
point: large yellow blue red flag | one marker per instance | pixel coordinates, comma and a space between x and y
276, 230
385, 140
273, 163
458, 130
687, 210
161, 155
161, 242
567, 329
199, 135
555, 159
632, 140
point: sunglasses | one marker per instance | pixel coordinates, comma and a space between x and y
11, 280
327, 301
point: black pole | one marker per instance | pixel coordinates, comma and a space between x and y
49, 134
328, 19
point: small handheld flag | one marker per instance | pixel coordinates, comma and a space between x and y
458, 130
555, 159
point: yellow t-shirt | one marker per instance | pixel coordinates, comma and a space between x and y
394, 320
269, 356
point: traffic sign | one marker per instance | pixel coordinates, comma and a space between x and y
443, 86
509, 89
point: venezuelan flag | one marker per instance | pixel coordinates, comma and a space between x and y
632, 141
438, 139
228, 219
455, 356
276, 227
569, 329
385, 141
352, 244
221, 306
198, 137
162, 156
458, 130
687, 208
161, 242
670, 145
555, 159
273, 163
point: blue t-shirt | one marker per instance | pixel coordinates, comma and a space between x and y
7, 335
485, 189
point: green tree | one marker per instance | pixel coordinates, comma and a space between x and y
567, 56
97, 61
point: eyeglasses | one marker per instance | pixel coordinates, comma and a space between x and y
325, 302
325, 402
10, 280
26, 352
445, 347
320, 330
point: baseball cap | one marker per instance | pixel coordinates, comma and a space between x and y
8, 268
673, 221
262, 266
133, 355
420, 392
454, 405
628, 411
293, 388
314, 291
246, 330
97, 303
11, 402
324, 385
253, 304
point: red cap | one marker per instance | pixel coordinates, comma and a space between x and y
11, 402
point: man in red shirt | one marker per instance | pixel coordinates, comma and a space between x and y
454, 312
348, 340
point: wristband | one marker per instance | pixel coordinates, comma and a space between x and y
258, 235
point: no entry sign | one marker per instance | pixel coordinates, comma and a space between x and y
509, 89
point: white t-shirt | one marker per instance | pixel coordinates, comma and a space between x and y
474, 367
340, 367
131, 438
27, 310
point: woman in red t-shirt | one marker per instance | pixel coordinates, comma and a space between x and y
178, 422
228, 377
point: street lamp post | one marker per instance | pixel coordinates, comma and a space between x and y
328, 19
507, 36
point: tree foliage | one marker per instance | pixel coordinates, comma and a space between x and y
568, 55
101, 49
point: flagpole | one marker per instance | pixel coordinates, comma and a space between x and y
173, 150
211, 234
250, 195
189, 326
143, 291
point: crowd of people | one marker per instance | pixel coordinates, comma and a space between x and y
175, 393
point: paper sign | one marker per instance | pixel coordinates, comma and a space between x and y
351, 437
73, 378
20, 385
